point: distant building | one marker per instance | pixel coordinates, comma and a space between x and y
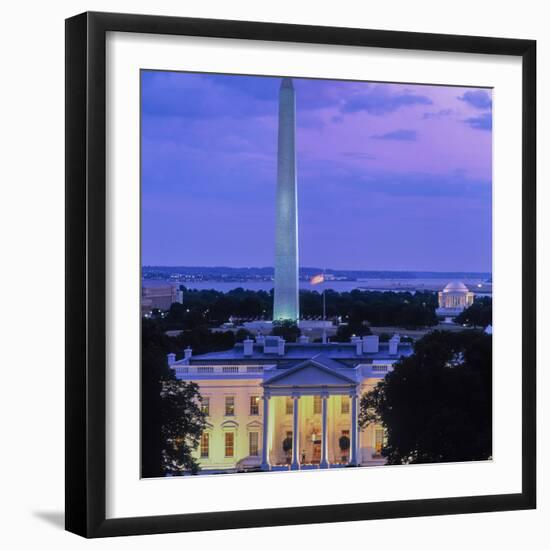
276, 405
157, 297
453, 299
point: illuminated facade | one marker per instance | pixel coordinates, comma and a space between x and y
157, 297
454, 298
272, 405
286, 305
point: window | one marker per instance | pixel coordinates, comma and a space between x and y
289, 405
345, 405
229, 444
229, 405
254, 405
205, 406
253, 447
317, 404
205, 445
379, 441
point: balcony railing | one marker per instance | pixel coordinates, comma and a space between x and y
380, 368
189, 370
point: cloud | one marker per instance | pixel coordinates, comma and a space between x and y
481, 122
479, 99
314, 94
260, 88
357, 155
437, 114
350, 179
397, 135
379, 100
414, 184
195, 96
309, 119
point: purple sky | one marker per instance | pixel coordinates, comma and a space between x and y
390, 176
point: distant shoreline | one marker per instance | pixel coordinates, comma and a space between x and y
380, 285
254, 272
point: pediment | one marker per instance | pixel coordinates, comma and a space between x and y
310, 373
254, 424
228, 424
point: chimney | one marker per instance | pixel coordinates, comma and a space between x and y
171, 359
248, 347
394, 343
370, 344
187, 353
281, 347
358, 344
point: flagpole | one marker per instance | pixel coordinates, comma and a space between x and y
324, 311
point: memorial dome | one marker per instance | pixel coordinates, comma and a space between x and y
454, 298
455, 286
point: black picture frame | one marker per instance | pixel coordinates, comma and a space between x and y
86, 268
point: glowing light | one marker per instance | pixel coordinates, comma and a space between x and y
317, 279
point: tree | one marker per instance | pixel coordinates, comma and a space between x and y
346, 331
183, 422
172, 421
202, 340
287, 329
479, 314
154, 369
210, 308
242, 334
436, 405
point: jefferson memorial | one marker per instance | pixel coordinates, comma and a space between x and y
454, 298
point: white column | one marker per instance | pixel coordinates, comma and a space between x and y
354, 432
295, 433
265, 433
324, 439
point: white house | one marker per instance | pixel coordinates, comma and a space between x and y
276, 405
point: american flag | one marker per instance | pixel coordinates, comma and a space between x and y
317, 279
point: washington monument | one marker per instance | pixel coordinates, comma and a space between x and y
286, 304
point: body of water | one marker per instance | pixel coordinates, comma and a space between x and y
396, 285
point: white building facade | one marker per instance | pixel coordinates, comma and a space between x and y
272, 405
453, 299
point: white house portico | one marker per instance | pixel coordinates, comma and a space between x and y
304, 383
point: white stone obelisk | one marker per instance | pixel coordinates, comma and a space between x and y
286, 304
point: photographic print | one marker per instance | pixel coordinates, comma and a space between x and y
316, 274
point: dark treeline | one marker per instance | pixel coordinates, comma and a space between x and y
479, 314
168, 436
436, 405
210, 308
